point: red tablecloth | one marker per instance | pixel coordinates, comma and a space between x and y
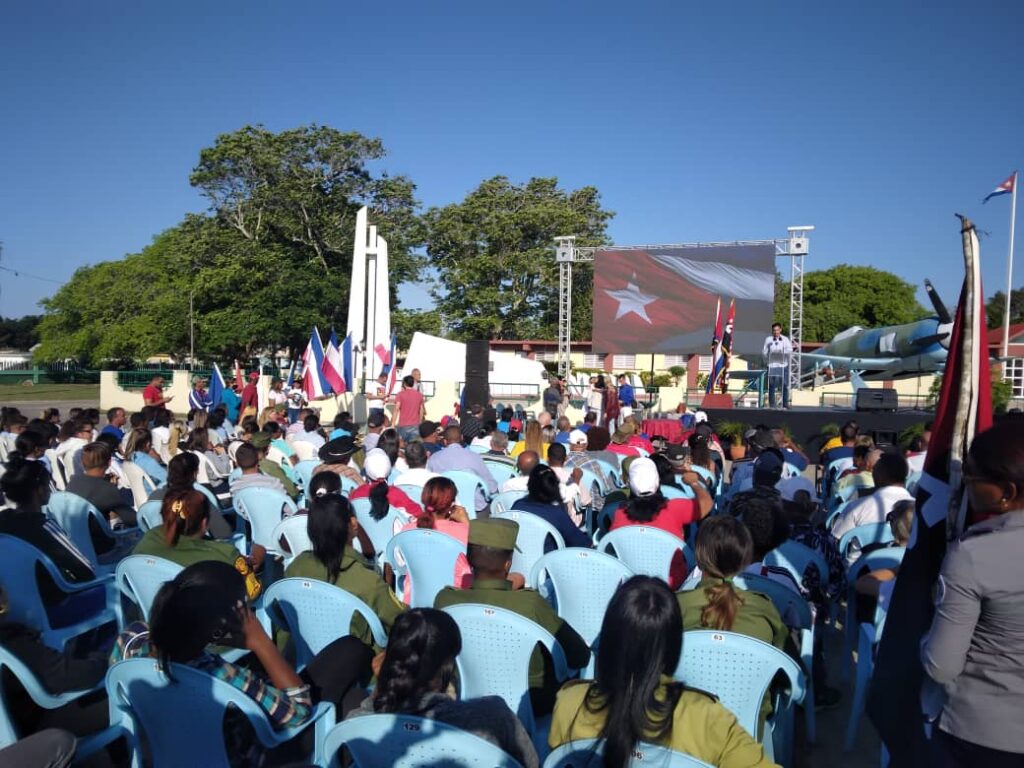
670, 429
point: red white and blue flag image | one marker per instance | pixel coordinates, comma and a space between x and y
333, 367
666, 297
313, 381
1005, 188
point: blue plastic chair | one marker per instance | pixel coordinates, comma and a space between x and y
467, 486
414, 492
403, 741
876, 559
604, 519
501, 470
495, 658
72, 513
671, 492
144, 701
304, 470
534, 533
294, 531
869, 636
503, 501
479, 448
797, 558
832, 471
647, 550
261, 507
139, 578
796, 613
862, 535
149, 515
586, 753
18, 563
739, 670
380, 531
317, 613
427, 558
579, 583
42, 698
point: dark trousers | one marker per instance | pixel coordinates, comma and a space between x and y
951, 752
778, 386
51, 748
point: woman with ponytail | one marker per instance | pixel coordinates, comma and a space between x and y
377, 468
442, 514
182, 538
331, 526
204, 608
415, 679
634, 697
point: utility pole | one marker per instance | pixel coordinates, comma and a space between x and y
191, 332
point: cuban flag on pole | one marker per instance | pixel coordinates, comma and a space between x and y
217, 387
332, 366
1005, 188
346, 361
384, 356
313, 381
716, 347
391, 368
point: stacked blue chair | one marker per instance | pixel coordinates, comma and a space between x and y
427, 559
869, 636
44, 700
304, 470
796, 613
580, 583
294, 532
317, 613
261, 507
500, 470
863, 535
139, 578
503, 501
18, 563
647, 550
739, 670
886, 557
586, 753
404, 741
72, 513
468, 485
143, 701
534, 533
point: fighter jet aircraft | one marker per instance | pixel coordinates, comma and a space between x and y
892, 352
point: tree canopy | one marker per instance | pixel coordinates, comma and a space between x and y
19, 333
847, 295
271, 258
493, 252
995, 308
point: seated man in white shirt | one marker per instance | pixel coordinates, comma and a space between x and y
570, 493
890, 475
417, 474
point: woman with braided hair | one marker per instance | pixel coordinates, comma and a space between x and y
415, 678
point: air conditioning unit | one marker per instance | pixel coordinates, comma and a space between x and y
798, 245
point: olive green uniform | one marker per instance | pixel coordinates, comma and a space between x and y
187, 551
701, 727
267, 467
358, 578
529, 604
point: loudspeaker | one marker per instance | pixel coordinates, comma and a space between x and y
877, 399
478, 355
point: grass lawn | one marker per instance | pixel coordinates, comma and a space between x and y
17, 393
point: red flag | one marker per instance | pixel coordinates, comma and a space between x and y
964, 409
716, 346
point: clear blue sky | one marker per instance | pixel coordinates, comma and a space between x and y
697, 121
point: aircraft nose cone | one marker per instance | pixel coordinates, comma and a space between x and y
946, 331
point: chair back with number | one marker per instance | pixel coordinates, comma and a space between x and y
317, 613
142, 699
404, 741
262, 507
427, 559
139, 578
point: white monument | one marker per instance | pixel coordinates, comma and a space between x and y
369, 303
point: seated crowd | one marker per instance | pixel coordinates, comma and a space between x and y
236, 509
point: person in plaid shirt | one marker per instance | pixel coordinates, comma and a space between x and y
204, 608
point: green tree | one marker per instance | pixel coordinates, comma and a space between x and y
846, 295
19, 332
405, 322
494, 254
996, 307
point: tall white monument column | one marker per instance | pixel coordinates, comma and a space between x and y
369, 303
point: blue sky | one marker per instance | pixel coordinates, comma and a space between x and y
697, 121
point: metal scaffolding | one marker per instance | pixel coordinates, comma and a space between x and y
795, 247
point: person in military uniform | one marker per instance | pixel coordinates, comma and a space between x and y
489, 551
331, 526
639, 652
261, 442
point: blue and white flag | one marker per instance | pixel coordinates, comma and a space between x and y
346, 361
217, 387
313, 381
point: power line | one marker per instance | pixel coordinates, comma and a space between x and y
22, 273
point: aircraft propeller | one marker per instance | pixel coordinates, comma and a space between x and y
940, 309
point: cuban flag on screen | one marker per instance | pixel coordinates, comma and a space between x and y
1003, 189
332, 368
313, 381
217, 387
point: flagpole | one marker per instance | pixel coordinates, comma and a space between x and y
1009, 269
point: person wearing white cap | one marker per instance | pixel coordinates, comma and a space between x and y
579, 458
377, 468
647, 506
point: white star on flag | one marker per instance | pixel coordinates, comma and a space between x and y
632, 300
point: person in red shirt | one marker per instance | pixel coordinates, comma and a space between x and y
409, 410
377, 467
250, 398
153, 394
620, 441
647, 506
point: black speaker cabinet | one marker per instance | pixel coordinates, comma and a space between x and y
877, 400
477, 365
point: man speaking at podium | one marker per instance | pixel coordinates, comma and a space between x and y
777, 352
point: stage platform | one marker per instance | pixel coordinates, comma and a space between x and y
805, 423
